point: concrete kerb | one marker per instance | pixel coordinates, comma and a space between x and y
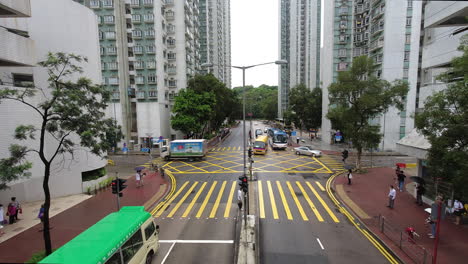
339, 203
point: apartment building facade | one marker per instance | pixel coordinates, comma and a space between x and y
388, 31
28, 31
149, 50
299, 43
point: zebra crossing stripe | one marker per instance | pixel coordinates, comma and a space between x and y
323, 203
189, 208
162, 209
260, 197
200, 211
182, 200
272, 199
311, 204
229, 202
285, 203
298, 204
218, 199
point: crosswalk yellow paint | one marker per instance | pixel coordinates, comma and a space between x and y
260, 200
323, 203
170, 201
283, 199
272, 199
182, 200
298, 204
291, 198
320, 186
218, 199
200, 211
189, 208
229, 202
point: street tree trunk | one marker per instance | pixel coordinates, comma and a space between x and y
358, 160
46, 226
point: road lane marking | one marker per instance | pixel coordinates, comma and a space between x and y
182, 200
228, 149
172, 199
169, 252
323, 203
272, 199
229, 202
198, 241
283, 199
320, 186
320, 243
200, 211
261, 202
218, 199
189, 208
311, 204
298, 204
223, 148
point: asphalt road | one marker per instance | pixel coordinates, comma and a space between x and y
298, 222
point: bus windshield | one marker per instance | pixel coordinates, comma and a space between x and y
280, 138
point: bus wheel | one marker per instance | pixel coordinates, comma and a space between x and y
149, 258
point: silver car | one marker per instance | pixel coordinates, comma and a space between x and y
307, 151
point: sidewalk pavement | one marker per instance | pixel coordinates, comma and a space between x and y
367, 197
72, 215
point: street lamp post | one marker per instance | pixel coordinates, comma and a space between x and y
243, 68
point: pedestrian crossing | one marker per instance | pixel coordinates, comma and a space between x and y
277, 200
332, 163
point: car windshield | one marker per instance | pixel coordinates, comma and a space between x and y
259, 144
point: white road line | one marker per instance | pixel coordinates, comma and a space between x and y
320, 243
198, 241
169, 252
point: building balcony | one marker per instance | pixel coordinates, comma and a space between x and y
172, 71
153, 94
131, 92
141, 94
16, 50
170, 16
168, 3
115, 95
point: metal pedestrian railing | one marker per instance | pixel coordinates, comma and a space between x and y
405, 241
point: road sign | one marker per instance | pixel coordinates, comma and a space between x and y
249, 114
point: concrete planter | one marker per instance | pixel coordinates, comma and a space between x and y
93, 183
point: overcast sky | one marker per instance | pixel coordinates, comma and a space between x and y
254, 39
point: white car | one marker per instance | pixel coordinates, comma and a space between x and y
307, 151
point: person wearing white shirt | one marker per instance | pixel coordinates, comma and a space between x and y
457, 211
391, 197
240, 197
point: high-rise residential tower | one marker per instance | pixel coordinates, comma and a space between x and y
215, 38
300, 46
388, 31
149, 50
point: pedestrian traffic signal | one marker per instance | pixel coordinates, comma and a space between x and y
244, 183
250, 152
121, 184
114, 186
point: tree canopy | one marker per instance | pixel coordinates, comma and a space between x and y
261, 101
444, 121
306, 105
72, 116
357, 97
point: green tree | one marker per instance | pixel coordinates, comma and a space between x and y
444, 122
68, 111
269, 105
192, 111
359, 96
307, 106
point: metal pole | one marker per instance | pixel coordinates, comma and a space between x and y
244, 138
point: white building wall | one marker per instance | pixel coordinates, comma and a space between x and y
55, 25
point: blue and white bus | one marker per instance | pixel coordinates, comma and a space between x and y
279, 139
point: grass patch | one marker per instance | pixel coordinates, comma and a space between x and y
93, 174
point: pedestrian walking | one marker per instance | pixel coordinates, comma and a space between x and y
344, 154
350, 176
142, 177
41, 213
298, 139
391, 197
240, 197
2, 220
17, 206
401, 181
138, 178
420, 190
161, 171
458, 210
11, 212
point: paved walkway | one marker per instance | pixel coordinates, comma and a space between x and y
368, 194
69, 223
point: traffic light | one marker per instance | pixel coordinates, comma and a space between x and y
244, 183
114, 186
250, 152
121, 184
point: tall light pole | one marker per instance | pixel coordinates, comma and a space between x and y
243, 68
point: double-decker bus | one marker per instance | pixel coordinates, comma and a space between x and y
127, 236
260, 145
279, 139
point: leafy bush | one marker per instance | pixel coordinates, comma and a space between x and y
93, 174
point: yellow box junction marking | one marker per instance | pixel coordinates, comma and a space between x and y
170, 201
261, 202
272, 199
311, 204
283, 199
200, 211
323, 203
320, 186
229, 202
298, 204
182, 200
218, 199
189, 208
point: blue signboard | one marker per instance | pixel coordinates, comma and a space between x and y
293, 133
